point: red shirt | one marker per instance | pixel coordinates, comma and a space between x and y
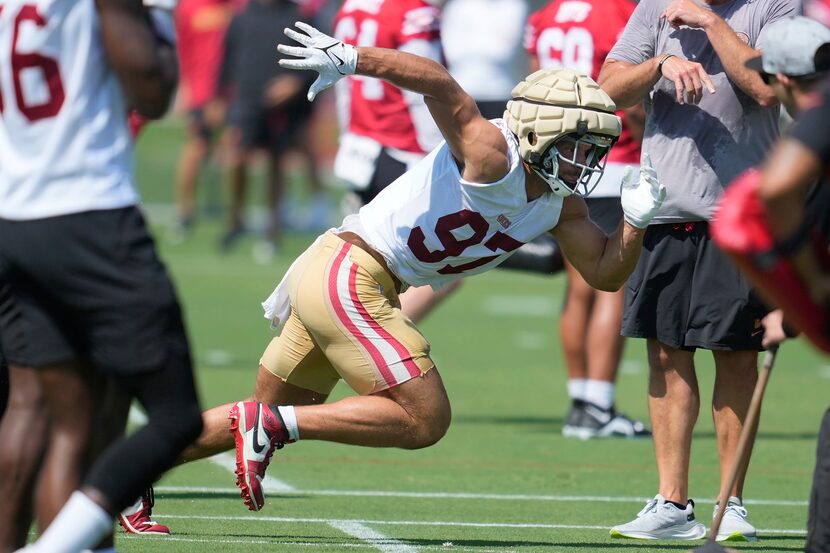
200, 28
378, 109
579, 34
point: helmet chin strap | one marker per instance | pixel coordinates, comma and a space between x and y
556, 184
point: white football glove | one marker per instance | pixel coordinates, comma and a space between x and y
641, 200
331, 58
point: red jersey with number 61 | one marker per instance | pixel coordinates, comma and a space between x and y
64, 143
374, 108
579, 34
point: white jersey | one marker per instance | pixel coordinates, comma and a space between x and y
64, 142
432, 226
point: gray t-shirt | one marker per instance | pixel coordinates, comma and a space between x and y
699, 149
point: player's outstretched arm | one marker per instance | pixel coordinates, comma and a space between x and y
145, 65
475, 143
605, 262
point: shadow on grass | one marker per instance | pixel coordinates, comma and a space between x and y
555, 423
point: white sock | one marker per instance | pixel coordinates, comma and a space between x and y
80, 524
134, 508
289, 417
576, 388
600, 393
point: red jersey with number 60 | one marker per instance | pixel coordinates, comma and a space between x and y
377, 109
64, 143
579, 34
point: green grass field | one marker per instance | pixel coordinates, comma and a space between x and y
503, 479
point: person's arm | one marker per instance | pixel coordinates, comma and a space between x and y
629, 83
145, 65
605, 262
477, 145
790, 171
731, 51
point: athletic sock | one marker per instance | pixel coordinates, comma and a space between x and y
576, 388
289, 419
678, 505
80, 524
600, 393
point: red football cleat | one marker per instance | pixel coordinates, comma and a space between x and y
257, 430
136, 519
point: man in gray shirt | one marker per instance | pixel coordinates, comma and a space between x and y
708, 119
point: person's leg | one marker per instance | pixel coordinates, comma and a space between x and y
274, 197
70, 401
674, 403
196, 149
735, 378
818, 523
604, 342
238, 188
412, 415
573, 328
216, 437
23, 433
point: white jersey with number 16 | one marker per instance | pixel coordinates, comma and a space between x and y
64, 143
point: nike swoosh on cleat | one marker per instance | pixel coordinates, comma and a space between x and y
256, 445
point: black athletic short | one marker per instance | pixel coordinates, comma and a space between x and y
275, 130
605, 212
89, 287
685, 293
387, 169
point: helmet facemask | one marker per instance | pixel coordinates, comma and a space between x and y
585, 154
565, 125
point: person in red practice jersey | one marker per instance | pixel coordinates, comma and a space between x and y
579, 35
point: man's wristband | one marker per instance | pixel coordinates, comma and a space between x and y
662, 61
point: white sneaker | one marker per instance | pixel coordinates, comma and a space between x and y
661, 520
734, 526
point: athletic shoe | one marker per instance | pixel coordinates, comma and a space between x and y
137, 518
586, 421
231, 239
662, 520
257, 430
573, 419
733, 525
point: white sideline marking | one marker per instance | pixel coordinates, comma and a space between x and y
378, 540
305, 543
477, 496
437, 523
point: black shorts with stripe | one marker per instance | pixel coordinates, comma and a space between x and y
686, 294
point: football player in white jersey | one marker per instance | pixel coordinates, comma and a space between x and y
487, 189
84, 298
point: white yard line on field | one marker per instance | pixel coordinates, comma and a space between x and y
373, 537
474, 496
436, 523
447, 546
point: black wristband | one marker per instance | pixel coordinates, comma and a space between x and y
662, 61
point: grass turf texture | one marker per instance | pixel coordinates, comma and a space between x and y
503, 479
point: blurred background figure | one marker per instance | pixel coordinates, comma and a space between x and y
385, 130
489, 62
200, 29
268, 111
579, 35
